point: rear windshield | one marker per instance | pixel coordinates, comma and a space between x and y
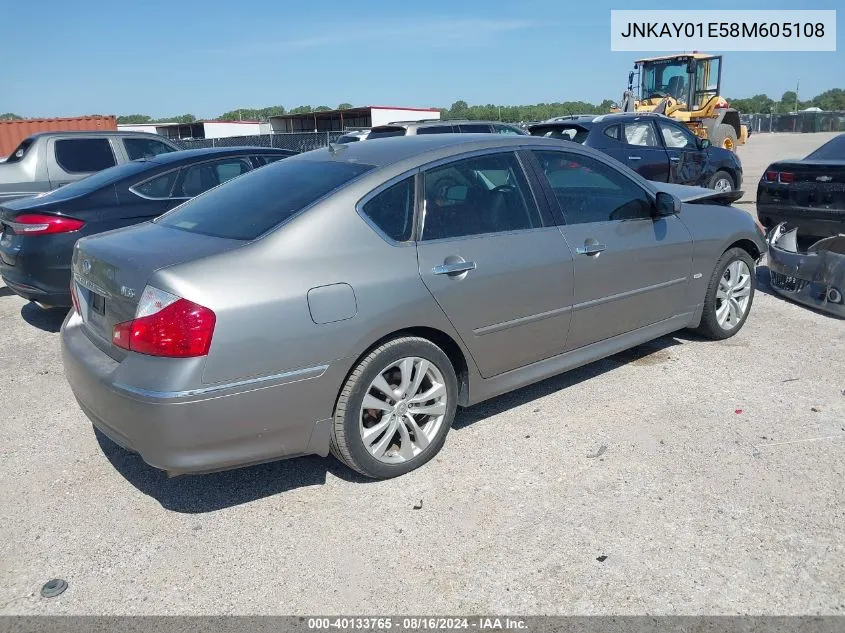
384, 132
574, 133
834, 149
245, 207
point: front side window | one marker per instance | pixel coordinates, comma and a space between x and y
84, 155
198, 179
590, 191
640, 133
139, 148
251, 205
484, 194
392, 210
677, 137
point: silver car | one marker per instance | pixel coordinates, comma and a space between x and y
351, 298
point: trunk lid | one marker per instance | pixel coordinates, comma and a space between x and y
111, 270
816, 183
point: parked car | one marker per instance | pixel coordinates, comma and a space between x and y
809, 194
47, 161
655, 146
37, 234
410, 128
365, 292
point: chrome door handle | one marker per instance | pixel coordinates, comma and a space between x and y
674, 159
591, 249
635, 157
453, 269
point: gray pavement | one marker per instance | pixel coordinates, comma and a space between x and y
720, 491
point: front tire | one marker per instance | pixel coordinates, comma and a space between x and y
724, 136
722, 181
730, 294
395, 409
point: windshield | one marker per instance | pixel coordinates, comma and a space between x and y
665, 78
834, 149
247, 206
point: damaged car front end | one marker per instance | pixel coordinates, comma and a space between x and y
814, 277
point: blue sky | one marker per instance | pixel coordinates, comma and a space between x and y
70, 57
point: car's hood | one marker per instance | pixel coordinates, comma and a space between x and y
687, 193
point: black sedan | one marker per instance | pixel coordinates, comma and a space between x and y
808, 194
37, 234
655, 146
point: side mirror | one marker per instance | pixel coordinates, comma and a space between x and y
666, 204
704, 143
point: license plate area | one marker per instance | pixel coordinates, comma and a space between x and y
97, 303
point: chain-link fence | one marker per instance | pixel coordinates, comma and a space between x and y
297, 141
796, 122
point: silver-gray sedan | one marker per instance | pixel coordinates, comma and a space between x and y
350, 298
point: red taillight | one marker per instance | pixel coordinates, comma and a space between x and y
771, 176
166, 325
786, 177
41, 224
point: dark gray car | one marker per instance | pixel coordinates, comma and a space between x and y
350, 298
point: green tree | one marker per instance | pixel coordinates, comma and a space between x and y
830, 100
134, 118
10, 116
345, 106
305, 109
322, 109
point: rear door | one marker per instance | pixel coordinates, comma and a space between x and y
630, 270
642, 151
73, 158
686, 161
494, 261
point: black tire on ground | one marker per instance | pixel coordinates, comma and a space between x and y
721, 133
346, 442
709, 326
719, 175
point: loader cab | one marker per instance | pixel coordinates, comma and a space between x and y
689, 79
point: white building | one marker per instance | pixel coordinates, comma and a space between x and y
200, 129
361, 117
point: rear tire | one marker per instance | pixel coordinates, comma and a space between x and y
724, 136
722, 181
414, 375
725, 306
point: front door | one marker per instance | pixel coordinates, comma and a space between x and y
496, 265
686, 160
631, 270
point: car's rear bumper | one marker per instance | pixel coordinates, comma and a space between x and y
38, 268
202, 430
810, 221
47, 297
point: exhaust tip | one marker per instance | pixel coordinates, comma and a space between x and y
834, 295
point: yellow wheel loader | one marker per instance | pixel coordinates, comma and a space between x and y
686, 87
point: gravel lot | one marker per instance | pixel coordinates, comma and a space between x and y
719, 491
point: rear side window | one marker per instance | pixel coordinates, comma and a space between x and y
198, 179
248, 206
384, 132
612, 132
641, 134
84, 155
20, 150
137, 148
158, 188
436, 129
392, 210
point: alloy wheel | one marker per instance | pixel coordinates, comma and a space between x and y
403, 409
733, 295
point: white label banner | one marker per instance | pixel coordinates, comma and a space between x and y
676, 31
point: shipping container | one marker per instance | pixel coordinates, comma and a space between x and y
13, 132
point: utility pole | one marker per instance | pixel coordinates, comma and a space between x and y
797, 85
